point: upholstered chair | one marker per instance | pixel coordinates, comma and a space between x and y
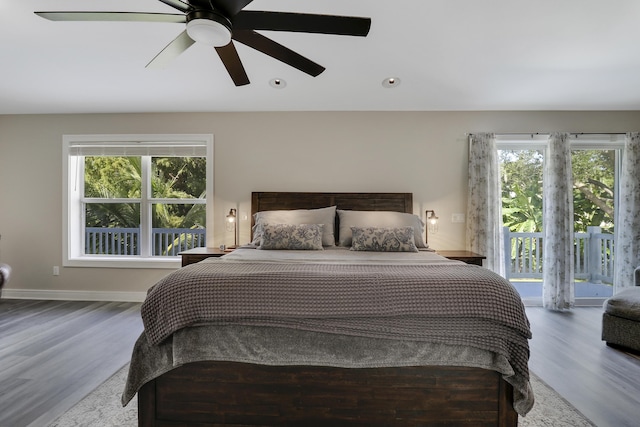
5, 272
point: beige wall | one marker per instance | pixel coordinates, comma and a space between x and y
420, 152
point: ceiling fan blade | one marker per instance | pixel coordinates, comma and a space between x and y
113, 16
277, 51
171, 51
302, 22
230, 7
177, 4
229, 56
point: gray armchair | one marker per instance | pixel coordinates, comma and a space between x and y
621, 318
5, 272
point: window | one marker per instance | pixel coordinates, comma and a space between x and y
135, 200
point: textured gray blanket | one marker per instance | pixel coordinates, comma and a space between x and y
229, 292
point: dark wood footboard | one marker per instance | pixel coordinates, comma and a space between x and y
240, 394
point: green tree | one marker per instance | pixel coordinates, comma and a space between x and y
593, 185
121, 178
113, 178
521, 182
187, 174
521, 176
179, 177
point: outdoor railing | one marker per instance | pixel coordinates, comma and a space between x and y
594, 250
593, 261
126, 241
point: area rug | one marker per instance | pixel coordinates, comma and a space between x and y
101, 408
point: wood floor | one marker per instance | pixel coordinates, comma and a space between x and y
52, 353
567, 353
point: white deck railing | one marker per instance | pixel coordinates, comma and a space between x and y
594, 250
126, 241
594, 253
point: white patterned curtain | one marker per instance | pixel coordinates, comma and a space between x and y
558, 259
627, 249
484, 204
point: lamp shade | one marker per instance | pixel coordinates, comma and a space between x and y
232, 225
432, 223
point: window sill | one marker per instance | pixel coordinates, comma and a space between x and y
123, 262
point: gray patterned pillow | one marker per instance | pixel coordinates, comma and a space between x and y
292, 236
400, 239
386, 219
324, 216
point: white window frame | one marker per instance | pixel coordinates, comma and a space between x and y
577, 141
604, 142
73, 215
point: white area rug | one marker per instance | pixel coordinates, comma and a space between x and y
101, 408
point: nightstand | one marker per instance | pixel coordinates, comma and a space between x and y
194, 255
464, 256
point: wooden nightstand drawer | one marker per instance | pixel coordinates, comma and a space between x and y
198, 254
464, 256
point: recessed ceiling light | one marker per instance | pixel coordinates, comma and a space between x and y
390, 82
278, 83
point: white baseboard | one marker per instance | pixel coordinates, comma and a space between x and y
73, 295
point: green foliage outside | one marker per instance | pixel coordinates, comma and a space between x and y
521, 174
593, 183
121, 178
593, 189
521, 183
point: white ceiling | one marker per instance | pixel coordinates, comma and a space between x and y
449, 55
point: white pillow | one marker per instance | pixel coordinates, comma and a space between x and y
325, 216
385, 219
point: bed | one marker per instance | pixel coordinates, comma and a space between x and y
358, 338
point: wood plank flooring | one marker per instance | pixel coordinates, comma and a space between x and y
568, 354
52, 353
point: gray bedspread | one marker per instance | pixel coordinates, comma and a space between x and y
282, 347
428, 306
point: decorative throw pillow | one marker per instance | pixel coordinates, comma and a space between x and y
292, 236
386, 219
325, 216
400, 239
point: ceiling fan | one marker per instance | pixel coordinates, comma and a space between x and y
219, 22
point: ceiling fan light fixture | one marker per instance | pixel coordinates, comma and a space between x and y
209, 32
214, 23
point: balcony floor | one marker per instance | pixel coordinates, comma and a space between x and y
582, 290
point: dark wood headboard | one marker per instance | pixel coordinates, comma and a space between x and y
268, 201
